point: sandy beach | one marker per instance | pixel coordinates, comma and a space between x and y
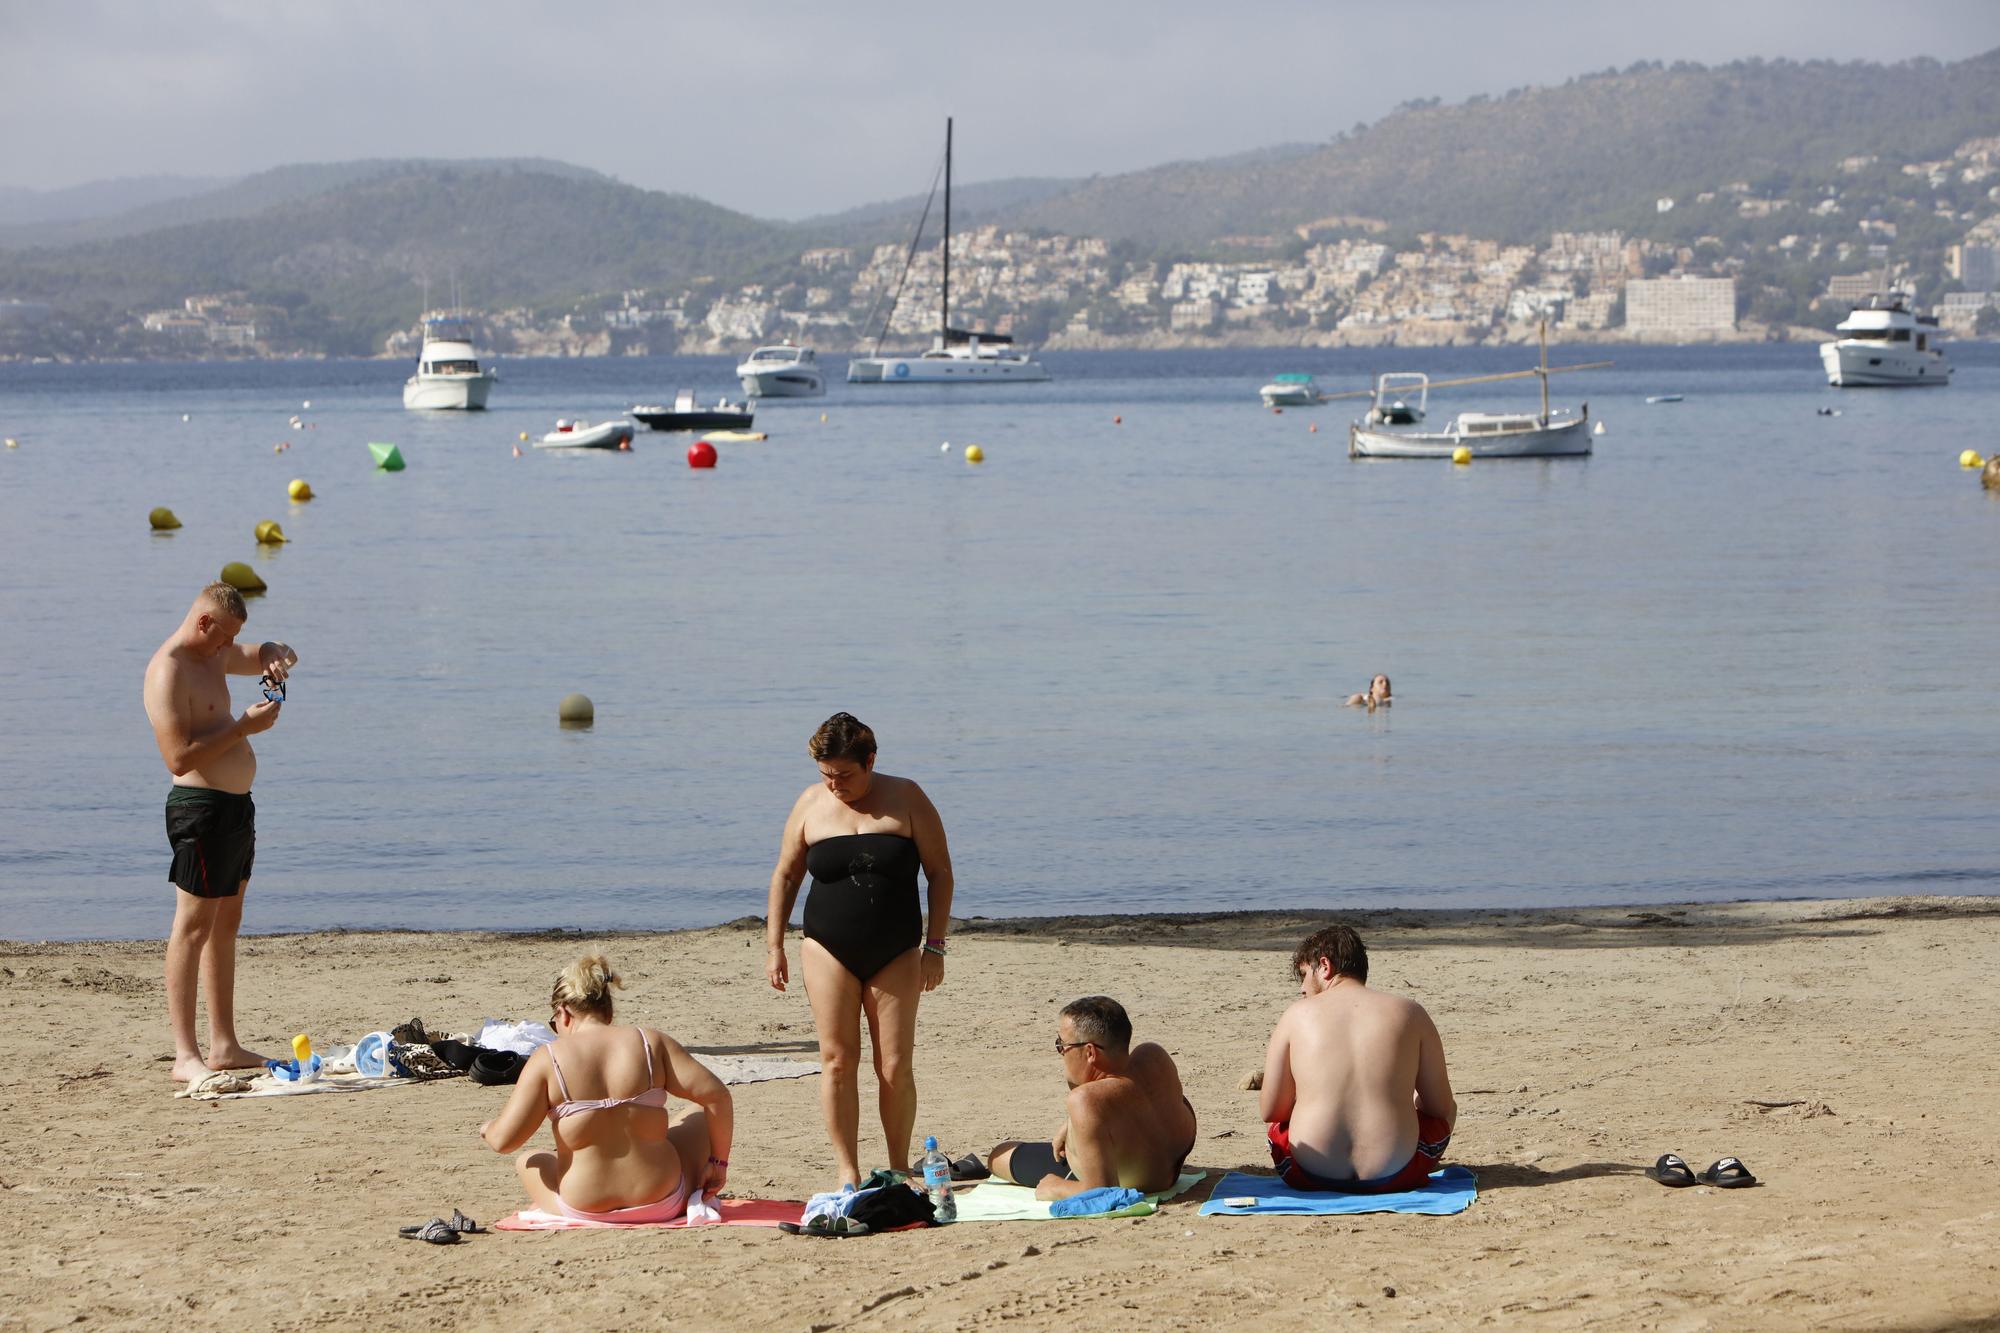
1842, 1049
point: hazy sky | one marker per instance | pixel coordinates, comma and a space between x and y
785, 110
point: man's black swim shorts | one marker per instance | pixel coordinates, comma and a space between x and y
214, 837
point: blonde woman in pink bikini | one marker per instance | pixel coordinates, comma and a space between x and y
604, 1090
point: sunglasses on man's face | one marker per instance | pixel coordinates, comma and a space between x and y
1065, 1047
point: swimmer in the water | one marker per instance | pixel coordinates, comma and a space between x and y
1377, 695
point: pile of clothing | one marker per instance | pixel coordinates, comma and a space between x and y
493, 1056
885, 1201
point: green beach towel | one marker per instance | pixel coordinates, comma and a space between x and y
999, 1201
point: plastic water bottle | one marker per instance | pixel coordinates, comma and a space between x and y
937, 1182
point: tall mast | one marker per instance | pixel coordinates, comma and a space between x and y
944, 312
1545, 370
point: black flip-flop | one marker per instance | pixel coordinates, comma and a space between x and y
1672, 1172
437, 1231
1728, 1174
832, 1228
969, 1167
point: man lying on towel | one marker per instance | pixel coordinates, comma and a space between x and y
1355, 1095
1129, 1124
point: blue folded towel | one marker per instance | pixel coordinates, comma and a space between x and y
1104, 1199
1450, 1190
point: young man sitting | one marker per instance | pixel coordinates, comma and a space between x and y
1355, 1095
1129, 1124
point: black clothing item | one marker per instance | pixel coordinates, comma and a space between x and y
214, 837
863, 906
893, 1206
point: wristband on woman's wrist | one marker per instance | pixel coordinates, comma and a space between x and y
934, 945
718, 1161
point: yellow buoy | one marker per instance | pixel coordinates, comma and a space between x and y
1971, 458
822, 416
1461, 455
576, 710
270, 534
524, 435
163, 519
241, 577
13, 443
974, 454
298, 490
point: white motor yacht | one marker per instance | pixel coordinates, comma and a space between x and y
449, 375
783, 371
1883, 345
956, 356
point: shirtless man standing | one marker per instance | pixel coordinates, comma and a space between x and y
210, 817
1355, 1095
1129, 1123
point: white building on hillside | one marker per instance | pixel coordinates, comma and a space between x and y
1677, 306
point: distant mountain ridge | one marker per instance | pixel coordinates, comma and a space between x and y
250, 195
97, 199
1596, 151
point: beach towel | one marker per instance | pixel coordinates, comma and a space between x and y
738, 1069
733, 1212
226, 1085
999, 1201
1451, 1190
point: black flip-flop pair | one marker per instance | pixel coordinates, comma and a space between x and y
1728, 1173
833, 1228
969, 1167
439, 1231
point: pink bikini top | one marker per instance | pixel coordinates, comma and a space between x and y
568, 1106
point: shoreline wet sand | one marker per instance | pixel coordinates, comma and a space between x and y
1841, 1048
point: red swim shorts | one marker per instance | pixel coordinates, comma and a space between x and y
1433, 1137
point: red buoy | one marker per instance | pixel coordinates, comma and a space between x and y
701, 454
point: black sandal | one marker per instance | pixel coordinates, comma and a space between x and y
1728, 1174
1672, 1172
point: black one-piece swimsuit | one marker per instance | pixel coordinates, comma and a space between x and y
863, 905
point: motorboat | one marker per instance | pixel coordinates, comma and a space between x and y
1292, 390
956, 356
1400, 399
582, 435
1883, 345
449, 376
684, 415
1392, 426
783, 371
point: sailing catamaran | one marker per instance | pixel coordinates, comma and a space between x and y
956, 356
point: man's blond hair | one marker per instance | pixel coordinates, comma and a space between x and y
225, 599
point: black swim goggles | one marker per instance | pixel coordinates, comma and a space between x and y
274, 690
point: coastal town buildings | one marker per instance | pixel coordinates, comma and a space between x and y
1683, 307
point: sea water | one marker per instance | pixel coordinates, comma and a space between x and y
1744, 651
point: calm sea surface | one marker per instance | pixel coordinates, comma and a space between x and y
1745, 651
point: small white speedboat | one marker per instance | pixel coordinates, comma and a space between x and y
782, 371
582, 435
1292, 390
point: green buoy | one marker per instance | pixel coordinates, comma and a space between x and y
387, 457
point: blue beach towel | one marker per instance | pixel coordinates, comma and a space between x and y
1451, 1190
1000, 1201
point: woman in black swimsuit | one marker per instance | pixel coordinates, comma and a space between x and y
863, 835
